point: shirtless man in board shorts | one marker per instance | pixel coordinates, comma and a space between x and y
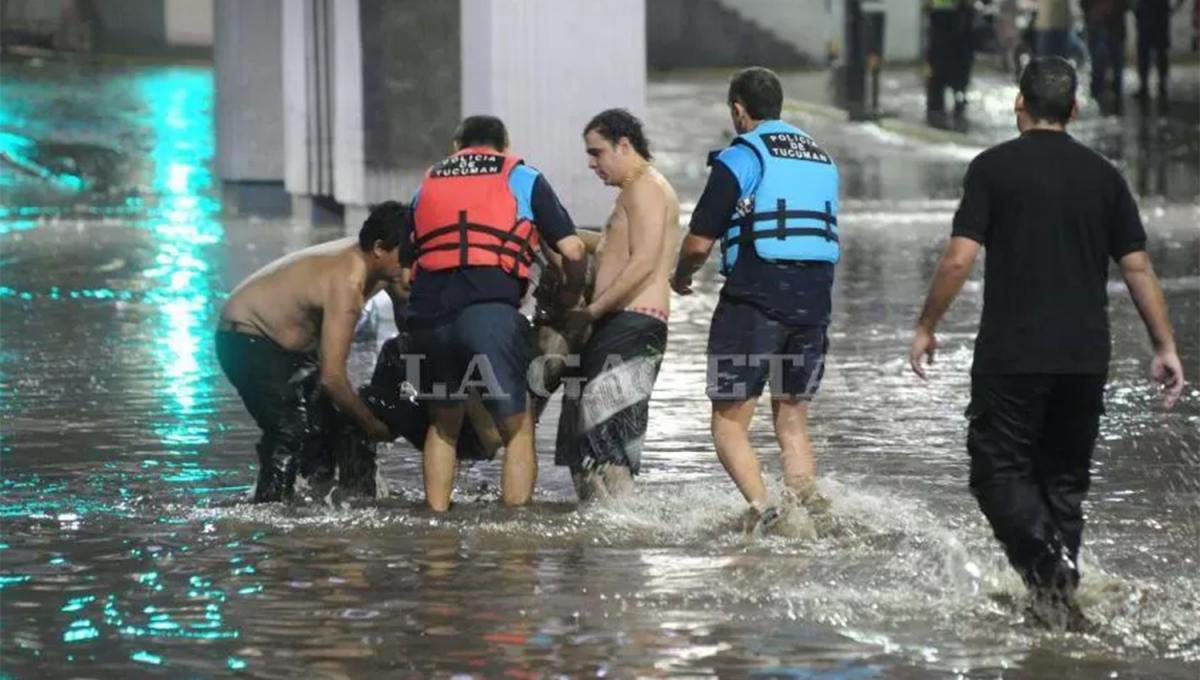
628, 311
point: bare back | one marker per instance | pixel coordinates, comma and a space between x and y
286, 300
652, 199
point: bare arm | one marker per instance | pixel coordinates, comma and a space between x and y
398, 291
573, 262
590, 238
645, 209
693, 252
1148, 297
952, 272
343, 305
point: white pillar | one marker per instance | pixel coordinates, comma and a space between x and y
349, 158
374, 90
397, 74
308, 113
546, 67
190, 22
249, 103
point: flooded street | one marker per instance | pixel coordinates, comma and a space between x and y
125, 545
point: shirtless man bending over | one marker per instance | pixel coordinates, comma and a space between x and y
286, 331
628, 310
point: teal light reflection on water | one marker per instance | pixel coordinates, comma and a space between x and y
80, 631
10, 580
180, 102
143, 656
77, 603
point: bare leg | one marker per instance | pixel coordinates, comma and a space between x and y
481, 420
795, 451
618, 480
731, 435
440, 459
520, 462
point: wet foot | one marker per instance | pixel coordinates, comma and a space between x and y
618, 480
756, 523
806, 494
589, 485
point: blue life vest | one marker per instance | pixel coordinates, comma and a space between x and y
790, 213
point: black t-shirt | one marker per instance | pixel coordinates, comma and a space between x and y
438, 296
1050, 213
792, 293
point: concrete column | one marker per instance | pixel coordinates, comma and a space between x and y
190, 22
397, 81
373, 91
546, 67
308, 114
248, 70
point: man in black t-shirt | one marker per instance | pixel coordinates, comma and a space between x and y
1050, 212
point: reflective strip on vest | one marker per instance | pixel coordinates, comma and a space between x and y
467, 216
790, 215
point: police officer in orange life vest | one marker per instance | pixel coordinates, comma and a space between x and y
476, 223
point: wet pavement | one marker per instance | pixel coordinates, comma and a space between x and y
125, 549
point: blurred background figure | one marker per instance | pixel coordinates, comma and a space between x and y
1154, 43
1008, 34
1053, 25
950, 57
1105, 20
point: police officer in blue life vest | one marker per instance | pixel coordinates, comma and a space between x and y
772, 201
476, 222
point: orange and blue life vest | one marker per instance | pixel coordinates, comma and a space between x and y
468, 215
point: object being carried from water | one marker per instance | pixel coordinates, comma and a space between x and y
395, 399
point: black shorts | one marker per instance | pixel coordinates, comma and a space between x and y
606, 421
486, 347
747, 349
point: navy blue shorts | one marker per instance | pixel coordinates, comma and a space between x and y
748, 349
485, 348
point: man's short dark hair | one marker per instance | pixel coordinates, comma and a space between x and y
481, 131
1048, 87
384, 224
613, 124
758, 90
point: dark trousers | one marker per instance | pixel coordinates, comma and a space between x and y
1108, 58
1152, 50
1030, 440
1054, 43
281, 390
951, 57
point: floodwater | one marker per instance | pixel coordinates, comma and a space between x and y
125, 548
